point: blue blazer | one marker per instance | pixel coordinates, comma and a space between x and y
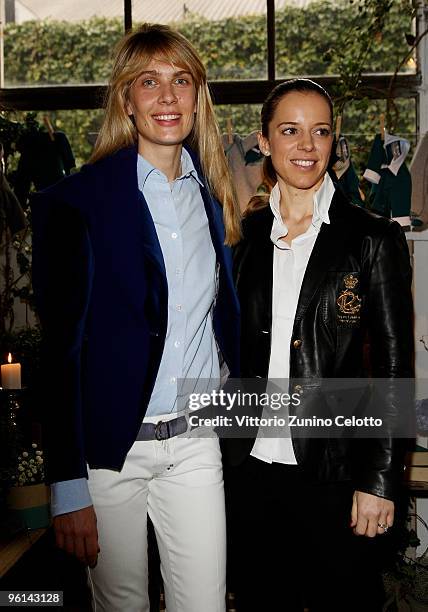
101, 293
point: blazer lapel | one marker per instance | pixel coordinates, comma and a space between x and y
215, 222
128, 191
214, 214
328, 250
151, 245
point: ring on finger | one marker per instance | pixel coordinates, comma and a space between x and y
383, 526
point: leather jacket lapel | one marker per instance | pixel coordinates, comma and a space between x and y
253, 269
265, 255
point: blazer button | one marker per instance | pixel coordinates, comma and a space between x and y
297, 343
298, 388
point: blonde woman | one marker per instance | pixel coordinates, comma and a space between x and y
133, 296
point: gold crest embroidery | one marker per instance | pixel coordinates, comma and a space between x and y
349, 302
350, 281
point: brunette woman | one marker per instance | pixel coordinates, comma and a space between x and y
316, 277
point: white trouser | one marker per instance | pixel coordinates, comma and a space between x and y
179, 483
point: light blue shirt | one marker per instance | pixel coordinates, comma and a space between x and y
189, 361
190, 357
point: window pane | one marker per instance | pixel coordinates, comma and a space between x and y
57, 42
320, 37
230, 36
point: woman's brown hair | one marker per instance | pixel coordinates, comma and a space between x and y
268, 110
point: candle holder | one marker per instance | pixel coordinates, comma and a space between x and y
11, 402
11, 436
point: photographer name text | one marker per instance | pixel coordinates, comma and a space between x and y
291, 420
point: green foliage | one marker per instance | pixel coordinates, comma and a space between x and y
230, 48
364, 41
46, 52
326, 37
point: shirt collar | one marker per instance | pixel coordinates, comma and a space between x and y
322, 201
145, 169
396, 162
250, 142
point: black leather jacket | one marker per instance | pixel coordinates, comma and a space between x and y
327, 341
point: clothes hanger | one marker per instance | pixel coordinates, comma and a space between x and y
2, 165
338, 126
49, 127
229, 124
382, 126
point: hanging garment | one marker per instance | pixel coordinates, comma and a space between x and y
43, 162
245, 162
391, 190
419, 174
12, 216
345, 171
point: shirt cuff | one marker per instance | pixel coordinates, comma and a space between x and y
403, 221
69, 496
372, 176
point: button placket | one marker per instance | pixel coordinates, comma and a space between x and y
175, 282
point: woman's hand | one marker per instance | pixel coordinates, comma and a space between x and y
76, 533
369, 512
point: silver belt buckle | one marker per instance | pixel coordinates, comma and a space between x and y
160, 432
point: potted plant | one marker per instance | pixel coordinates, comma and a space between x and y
29, 495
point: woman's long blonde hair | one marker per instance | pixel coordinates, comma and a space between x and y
134, 52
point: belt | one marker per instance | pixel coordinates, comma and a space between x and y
162, 430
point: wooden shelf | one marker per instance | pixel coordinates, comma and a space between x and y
12, 550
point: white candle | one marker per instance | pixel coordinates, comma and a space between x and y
11, 374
